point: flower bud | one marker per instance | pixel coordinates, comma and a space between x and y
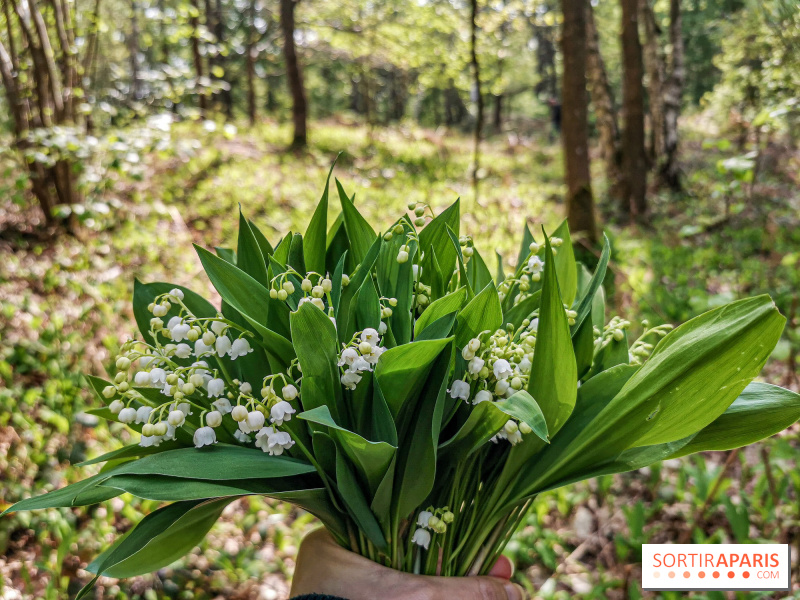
419, 221
365, 348
172, 379
306, 285
214, 418
387, 236
468, 252
282, 295
127, 415
618, 335
534, 247
318, 303
412, 205
116, 406
188, 388
288, 287
150, 307
524, 428
123, 387
160, 428
176, 418
289, 392
273, 293
448, 517
317, 291
192, 335
433, 522
516, 383
511, 427
419, 211
327, 285
148, 429
120, 377
386, 312
239, 413
402, 257
345, 280
123, 363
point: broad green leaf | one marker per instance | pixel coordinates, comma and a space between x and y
296, 260
524, 248
439, 329
345, 325
315, 240
478, 273
371, 459
281, 253
452, 302
336, 283
132, 451
487, 418
367, 306
249, 256
553, 377
566, 267
760, 411
583, 346
359, 231
356, 503
482, 313
402, 371
584, 307
82, 493
416, 457
160, 538
318, 352
219, 463
434, 240
522, 310
395, 280
263, 242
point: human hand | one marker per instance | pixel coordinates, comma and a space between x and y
324, 567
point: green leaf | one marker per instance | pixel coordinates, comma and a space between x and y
132, 451
396, 280
82, 493
553, 378
219, 463
248, 297
359, 231
566, 267
371, 459
477, 272
522, 310
487, 418
315, 240
584, 307
356, 503
317, 350
583, 346
296, 260
367, 306
437, 309
345, 325
434, 240
439, 329
416, 457
482, 313
261, 239
760, 411
249, 256
402, 371
524, 248
160, 539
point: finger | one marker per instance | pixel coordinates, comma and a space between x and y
503, 568
478, 588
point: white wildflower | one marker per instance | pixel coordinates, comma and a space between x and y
289, 392
201, 348
350, 379
423, 518
216, 387
223, 405
116, 407
214, 418
183, 351
422, 538
205, 436
143, 414
127, 415
348, 356
535, 264
142, 378
222, 345
371, 336
460, 389
482, 396
240, 347
476, 364
176, 418
218, 327
282, 411
502, 369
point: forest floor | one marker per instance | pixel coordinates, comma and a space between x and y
65, 309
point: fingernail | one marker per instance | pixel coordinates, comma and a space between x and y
513, 591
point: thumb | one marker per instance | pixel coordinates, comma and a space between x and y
503, 568
481, 588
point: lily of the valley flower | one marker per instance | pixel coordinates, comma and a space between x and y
223, 345
272, 441
216, 387
223, 405
422, 538
423, 518
282, 411
535, 264
204, 436
482, 396
240, 347
502, 369
459, 389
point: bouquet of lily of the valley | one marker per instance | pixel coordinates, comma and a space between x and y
389, 384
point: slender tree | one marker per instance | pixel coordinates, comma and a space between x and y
476, 83
634, 202
294, 75
197, 58
133, 50
654, 65
250, 64
575, 129
670, 171
605, 109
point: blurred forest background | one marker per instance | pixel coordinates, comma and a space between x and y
131, 128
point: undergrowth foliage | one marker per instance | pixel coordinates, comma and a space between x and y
392, 386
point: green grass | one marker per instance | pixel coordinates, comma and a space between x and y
67, 309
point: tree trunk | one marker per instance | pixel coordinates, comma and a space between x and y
670, 171
605, 109
654, 64
476, 82
219, 32
251, 63
294, 75
196, 57
498, 112
133, 51
634, 204
575, 130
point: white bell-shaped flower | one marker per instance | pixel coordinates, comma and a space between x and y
142, 378
289, 392
240, 347
201, 348
216, 387
459, 389
204, 436
535, 264
348, 356
143, 414
223, 345
158, 376
127, 415
422, 537
245, 388
241, 437
502, 369
176, 418
183, 351
482, 396
282, 411
370, 336
116, 407
350, 379
214, 418
476, 364
223, 405
423, 518
218, 327
360, 364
